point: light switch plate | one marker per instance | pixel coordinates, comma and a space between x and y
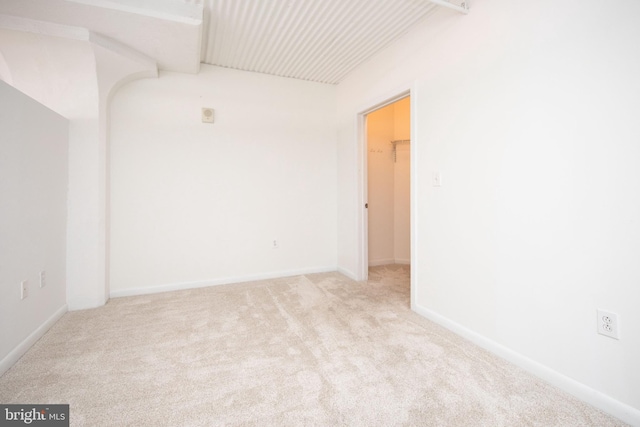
437, 179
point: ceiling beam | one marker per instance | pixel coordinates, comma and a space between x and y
464, 8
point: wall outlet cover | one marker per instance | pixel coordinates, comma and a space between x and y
608, 324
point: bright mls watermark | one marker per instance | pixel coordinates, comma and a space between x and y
34, 415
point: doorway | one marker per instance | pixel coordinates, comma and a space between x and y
387, 160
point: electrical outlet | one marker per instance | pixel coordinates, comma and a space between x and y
43, 278
275, 244
608, 324
24, 289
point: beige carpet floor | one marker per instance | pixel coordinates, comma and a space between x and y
314, 350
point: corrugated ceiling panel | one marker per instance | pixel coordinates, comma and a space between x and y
317, 40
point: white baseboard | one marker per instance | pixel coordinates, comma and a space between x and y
214, 282
10, 359
84, 303
376, 262
347, 273
593, 397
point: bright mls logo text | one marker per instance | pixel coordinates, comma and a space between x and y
45, 415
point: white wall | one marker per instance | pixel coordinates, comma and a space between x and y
195, 204
76, 79
402, 183
66, 83
529, 111
33, 215
401, 206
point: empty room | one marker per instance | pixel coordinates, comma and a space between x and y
305, 212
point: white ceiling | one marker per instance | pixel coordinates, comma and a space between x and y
168, 31
317, 40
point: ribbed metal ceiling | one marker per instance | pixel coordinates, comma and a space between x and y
317, 40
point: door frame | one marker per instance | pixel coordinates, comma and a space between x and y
362, 267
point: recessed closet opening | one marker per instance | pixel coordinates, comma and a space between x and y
388, 136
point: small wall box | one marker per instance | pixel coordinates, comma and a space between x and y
207, 115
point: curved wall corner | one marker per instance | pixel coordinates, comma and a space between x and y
81, 72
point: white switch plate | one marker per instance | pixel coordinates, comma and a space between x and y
24, 289
437, 179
